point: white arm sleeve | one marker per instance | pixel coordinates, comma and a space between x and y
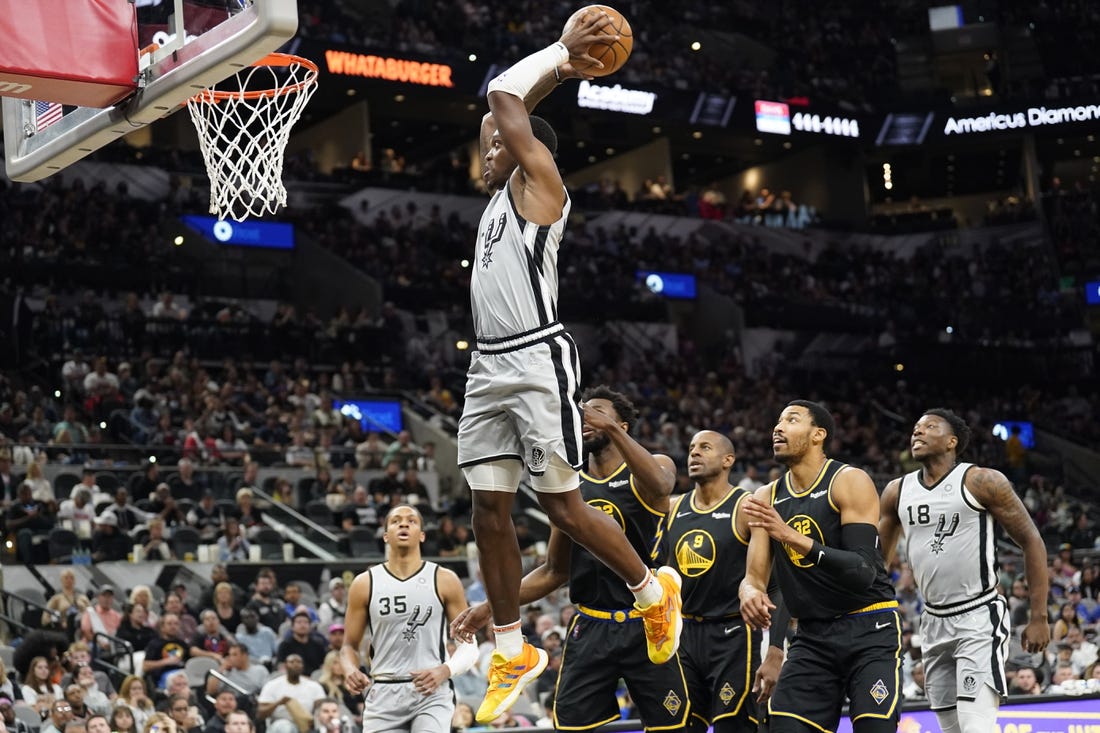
463, 660
519, 79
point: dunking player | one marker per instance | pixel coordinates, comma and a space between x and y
605, 640
820, 519
706, 538
407, 603
521, 405
946, 510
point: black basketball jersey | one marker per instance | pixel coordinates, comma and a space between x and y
809, 592
591, 583
709, 554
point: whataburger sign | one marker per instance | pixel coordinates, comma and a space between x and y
1033, 117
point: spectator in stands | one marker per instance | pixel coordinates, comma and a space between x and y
225, 702
8, 687
173, 603
127, 515
70, 430
368, 454
41, 488
269, 609
210, 641
186, 484
411, 486
239, 669
299, 454
167, 653
108, 541
333, 609
402, 450
28, 519
387, 484
183, 713
9, 482
101, 391
1066, 619
165, 507
206, 517
73, 373
346, 484
122, 719
157, 548
1081, 537
303, 643
68, 603
248, 516
1028, 681
78, 513
61, 714
74, 695
1082, 651
88, 482
224, 604
292, 600
233, 546
80, 654
37, 682
142, 595
11, 723
257, 638
135, 628
285, 702
272, 436
167, 308
102, 618
362, 512
97, 700
132, 693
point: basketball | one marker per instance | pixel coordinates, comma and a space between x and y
612, 53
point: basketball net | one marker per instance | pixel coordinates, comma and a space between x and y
244, 131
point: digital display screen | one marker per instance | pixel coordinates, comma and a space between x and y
1003, 430
262, 234
774, 117
1062, 716
373, 415
1092, 292
669, 284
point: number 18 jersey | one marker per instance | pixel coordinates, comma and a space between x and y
949, 540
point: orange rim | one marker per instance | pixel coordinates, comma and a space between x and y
213, 96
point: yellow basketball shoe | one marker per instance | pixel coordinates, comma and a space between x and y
663, 620
507, 680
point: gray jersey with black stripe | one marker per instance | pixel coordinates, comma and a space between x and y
949, 538
407, 621
514, 285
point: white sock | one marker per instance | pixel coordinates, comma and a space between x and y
509, 639
647, 592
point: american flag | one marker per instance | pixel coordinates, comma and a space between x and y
45, 114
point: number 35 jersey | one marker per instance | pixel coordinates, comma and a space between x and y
949, 539
406, 620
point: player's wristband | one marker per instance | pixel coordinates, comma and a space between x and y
521, 78
463, 660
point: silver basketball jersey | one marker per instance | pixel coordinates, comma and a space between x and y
514, 285
407, 622
949, 539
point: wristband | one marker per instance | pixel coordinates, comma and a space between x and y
521, 78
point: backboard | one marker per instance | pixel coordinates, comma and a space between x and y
186, 46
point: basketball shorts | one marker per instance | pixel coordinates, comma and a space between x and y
598, 653
963, 652
858, 657
720, 661
522, 401
397, 707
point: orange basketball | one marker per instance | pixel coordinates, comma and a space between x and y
614, 53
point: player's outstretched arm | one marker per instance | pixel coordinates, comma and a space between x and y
889, 523
996, 494
355, 625
756, 607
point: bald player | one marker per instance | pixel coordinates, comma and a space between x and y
706, 539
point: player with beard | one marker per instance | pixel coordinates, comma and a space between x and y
706, 539
606, 641
820, 520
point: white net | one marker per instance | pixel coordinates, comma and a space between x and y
243, 132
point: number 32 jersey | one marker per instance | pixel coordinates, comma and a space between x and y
407, 621
949, 539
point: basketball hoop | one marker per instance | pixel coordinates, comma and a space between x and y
243, 133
